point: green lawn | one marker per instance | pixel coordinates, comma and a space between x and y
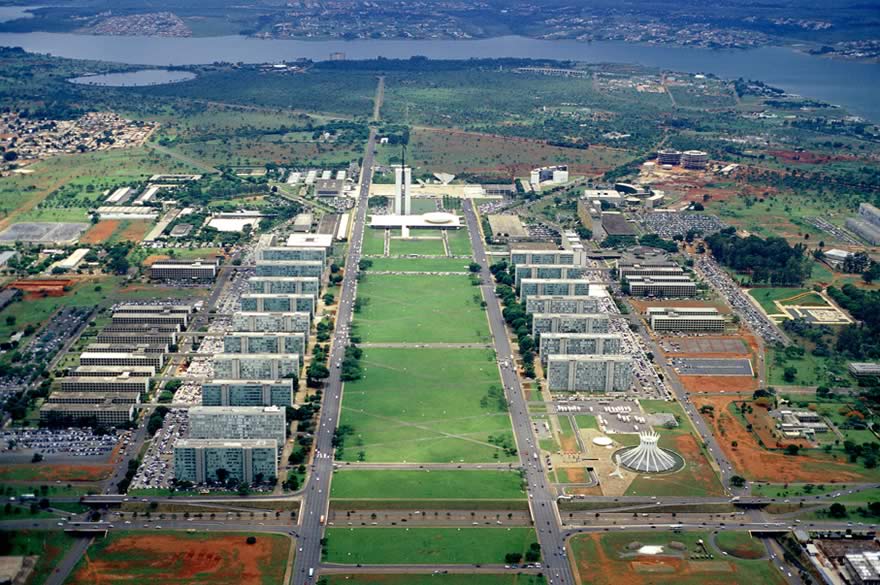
603, 560
453, 485
459, 242
418, 244
739, 544
49, 546
766, 296
374, 242
406, 546
426, 405
586, 421
451, 579
420, 309
419, 264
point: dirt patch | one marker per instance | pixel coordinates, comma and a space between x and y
100, 232
178, 559
712, 384
37, 288
134, 231
757, 463
575, 474
153, 258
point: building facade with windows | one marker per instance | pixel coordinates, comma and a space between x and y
560, 304
285, 285
256, 366
247, 461
256, 321
570, 323
238, 422
289, 268
241, 342
589, 373
579, 344
283, 303
248, 393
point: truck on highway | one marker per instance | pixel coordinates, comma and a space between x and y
322, 519
311, 572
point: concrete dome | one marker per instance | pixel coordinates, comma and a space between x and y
438, 217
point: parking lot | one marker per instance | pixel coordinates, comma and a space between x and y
668, 224
157, 467
614, 415
720, 281
703, 345
70, 442
712, 367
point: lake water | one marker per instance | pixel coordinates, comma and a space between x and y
849, 84
8, 13
135, 78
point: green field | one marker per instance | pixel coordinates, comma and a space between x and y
459, 242
739, 544
766, 296
426, 405
409, 546
453, 485
586, 421
420, 309
451, 579
602, 559
775, 490
418, 244
374, 242
419, 264
49, 546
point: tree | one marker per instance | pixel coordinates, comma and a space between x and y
36, 458
222, 475
474, 267
737, 481
251, 540
837, 510
792, 449
513, 558
789, 374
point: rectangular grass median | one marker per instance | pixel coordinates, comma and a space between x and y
413, 546
463, 484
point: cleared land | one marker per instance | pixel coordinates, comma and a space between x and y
422, 484
607, 560
407, 546
426, 405
420, 309
183, 558
755, 462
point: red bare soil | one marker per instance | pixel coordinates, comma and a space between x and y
758, 463
36, 288
100, 232
177, 559
711, 384
135, 231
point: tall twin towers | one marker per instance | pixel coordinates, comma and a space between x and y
402, 190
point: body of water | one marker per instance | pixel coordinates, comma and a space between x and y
8, 13
849, 84
135, 78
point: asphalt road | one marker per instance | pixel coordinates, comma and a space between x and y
317, 489
541, 496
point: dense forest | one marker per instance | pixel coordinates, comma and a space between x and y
863, 340
769, 261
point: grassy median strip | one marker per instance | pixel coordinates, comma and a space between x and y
461, 484
410, 546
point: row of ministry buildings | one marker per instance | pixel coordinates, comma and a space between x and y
240, 430
577, 347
